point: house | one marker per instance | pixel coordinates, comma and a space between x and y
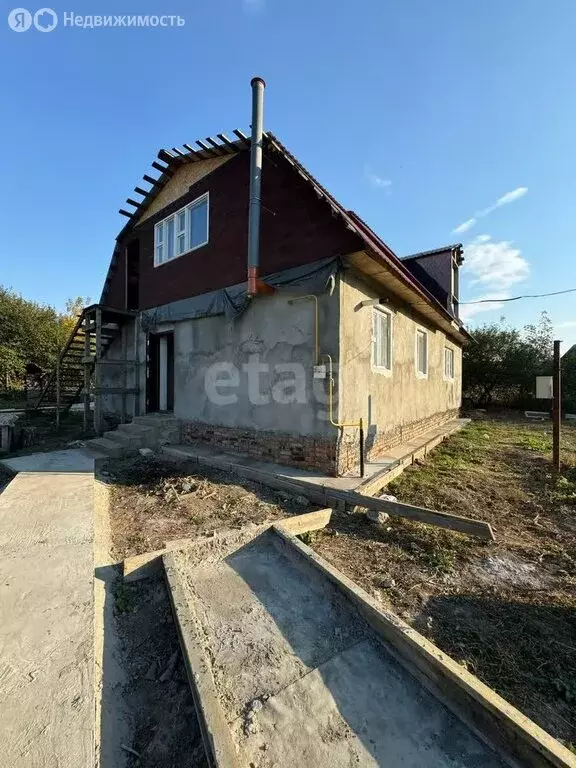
270, 320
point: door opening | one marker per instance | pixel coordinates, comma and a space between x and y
160, 372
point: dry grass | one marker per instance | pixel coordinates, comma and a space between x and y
156, 500
505, 610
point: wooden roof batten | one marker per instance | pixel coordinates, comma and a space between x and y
172, 159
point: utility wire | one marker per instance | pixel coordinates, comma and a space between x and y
515, 298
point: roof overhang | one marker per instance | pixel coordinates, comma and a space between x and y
383, 274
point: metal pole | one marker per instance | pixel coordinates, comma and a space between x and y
557, 407
258, 86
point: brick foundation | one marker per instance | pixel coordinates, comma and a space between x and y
378, 442
304, 452
332, 456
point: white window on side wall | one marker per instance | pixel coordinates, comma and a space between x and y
381, 340
184, 231
421, 353
448, 363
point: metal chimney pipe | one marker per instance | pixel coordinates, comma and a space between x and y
258, 86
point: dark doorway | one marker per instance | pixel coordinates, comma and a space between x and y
160, 372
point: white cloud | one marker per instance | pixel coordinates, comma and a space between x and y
464, 227
377, 181
495, 266
509, 197
566, 324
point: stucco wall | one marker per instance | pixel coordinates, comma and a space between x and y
391, 405
272, 333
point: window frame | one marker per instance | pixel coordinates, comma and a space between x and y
386, 371
452, 375
421, 374
187, 231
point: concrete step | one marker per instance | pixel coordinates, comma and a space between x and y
109, 447
156, 421
125, 438
135, 429
147, 436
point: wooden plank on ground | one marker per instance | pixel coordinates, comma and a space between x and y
328, 496
422, 515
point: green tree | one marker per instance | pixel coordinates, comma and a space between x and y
540, 339
500, 365
490, 361
31, 332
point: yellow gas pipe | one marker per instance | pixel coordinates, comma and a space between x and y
317, 356
359, 423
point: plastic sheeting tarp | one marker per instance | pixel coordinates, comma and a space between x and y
232, 301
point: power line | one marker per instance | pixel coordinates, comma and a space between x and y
515, 298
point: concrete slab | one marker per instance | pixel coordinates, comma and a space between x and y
46, 614
71, 460
329, 694
360, 708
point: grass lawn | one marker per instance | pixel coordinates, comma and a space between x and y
505, 610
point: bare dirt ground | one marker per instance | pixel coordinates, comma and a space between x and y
505, 610
155, 501
165, 730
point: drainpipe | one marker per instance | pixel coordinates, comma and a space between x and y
255, 285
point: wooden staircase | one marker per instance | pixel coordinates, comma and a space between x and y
71, 382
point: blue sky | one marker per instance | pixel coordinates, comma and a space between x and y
419, 115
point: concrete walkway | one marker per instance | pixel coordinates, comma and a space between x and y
46, 612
